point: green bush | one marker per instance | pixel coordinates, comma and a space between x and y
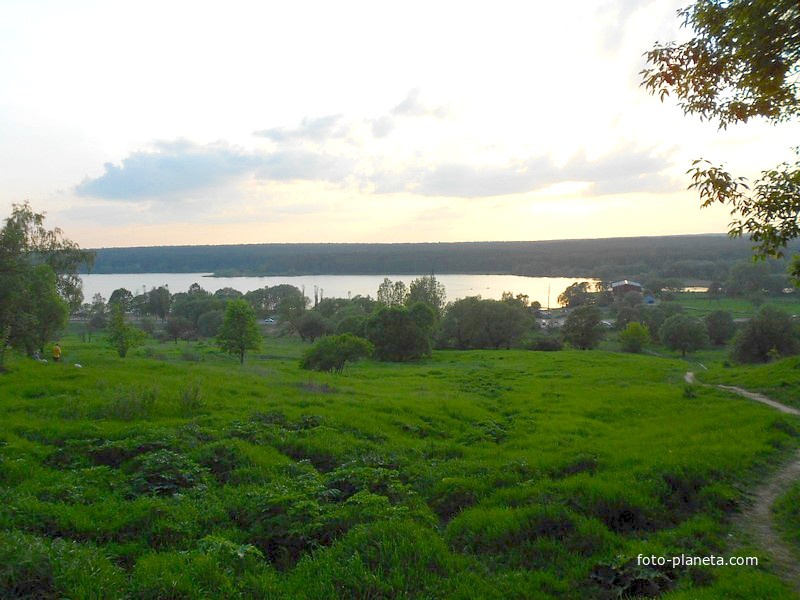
333, 352
222, 459
543, 342
768, 335
634, 337
163, 473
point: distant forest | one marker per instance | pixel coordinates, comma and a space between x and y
701, 257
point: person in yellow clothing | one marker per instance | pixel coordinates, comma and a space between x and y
56, 353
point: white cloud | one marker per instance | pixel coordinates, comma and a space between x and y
412, 106
167, 169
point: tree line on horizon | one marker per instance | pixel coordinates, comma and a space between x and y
705, 257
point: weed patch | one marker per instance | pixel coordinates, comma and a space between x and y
129, 402
163, 472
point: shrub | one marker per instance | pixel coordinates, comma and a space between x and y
233, 557
634, 337
349, 479
355, 324
544, 343
122, 336
771, 332
163, 473
222, 459
333, 352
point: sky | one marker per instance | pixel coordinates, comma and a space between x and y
161, 123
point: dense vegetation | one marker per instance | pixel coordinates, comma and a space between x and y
471, 474
690, 257
154, 461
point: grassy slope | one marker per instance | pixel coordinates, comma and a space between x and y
779, 380
788, 517
490, 474
699, 304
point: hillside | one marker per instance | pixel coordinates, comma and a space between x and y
177, 473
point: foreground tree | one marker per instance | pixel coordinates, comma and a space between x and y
239, 331
38, 279
741, 63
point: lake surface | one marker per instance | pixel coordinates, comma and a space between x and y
332, 286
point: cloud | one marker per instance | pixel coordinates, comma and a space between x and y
182, 167
316, 129
411, 106
297, 164
615, 16
382, 126
623, 171
171, 167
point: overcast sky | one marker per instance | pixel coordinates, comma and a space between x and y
149, 123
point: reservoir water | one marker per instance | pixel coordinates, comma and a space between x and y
333, 286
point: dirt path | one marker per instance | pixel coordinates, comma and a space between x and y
757, 519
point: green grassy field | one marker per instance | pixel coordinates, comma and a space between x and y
176, 473
778, 380
700, 304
